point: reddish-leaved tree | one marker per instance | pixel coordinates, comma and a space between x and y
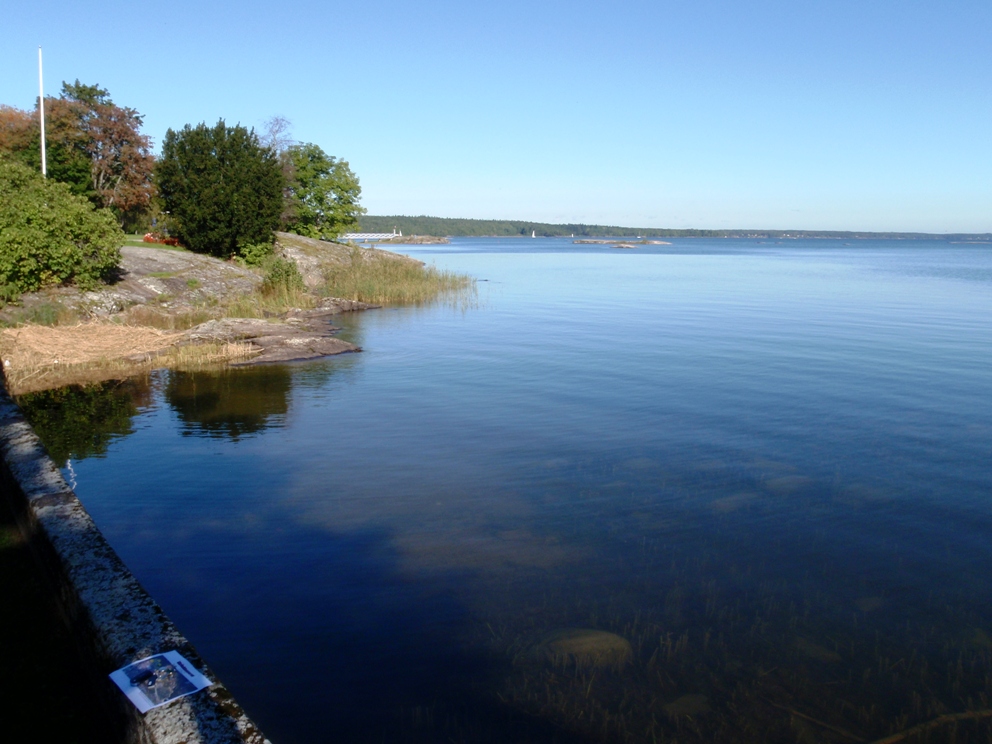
93, 145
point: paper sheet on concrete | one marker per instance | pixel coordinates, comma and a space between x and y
157, 679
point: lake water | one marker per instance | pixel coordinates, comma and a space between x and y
765, 466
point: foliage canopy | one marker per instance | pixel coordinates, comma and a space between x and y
323, 193
93, 145
222, 188
50, 236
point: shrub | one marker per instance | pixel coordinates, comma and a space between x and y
48, 236
255, 254
282, 275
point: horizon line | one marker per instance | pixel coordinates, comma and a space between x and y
688, 229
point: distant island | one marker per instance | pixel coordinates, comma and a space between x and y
454, 227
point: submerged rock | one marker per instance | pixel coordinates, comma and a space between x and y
815, 651
870, 604
787, 485
688, 705
584, 647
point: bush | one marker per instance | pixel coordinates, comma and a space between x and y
282, 275
48, 236
255, 254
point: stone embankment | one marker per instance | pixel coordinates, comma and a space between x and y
113, 620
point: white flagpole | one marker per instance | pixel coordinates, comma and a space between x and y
41, 114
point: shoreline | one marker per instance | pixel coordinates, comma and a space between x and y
177, 309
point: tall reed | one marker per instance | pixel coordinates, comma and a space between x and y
393, 281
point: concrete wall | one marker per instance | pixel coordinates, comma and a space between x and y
112, 618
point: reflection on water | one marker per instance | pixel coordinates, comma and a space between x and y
79, 422
746, 501
232, 403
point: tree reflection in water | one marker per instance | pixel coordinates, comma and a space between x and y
78, 422
231, 403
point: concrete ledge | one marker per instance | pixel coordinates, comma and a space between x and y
114, 621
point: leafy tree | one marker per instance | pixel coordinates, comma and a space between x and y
92, 144
119, 155
66, 158
222, 188
16, 129
88, 95
108, 137
49, 236
323, 193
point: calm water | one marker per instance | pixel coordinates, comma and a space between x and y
765, 466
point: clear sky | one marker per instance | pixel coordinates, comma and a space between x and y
835, 115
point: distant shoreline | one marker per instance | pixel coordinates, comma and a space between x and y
464, 228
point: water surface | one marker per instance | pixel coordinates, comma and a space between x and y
762, 464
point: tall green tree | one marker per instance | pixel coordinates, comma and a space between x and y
323, 193
222, 188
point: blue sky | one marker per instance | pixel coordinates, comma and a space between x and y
840, 115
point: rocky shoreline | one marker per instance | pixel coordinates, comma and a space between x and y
302, 334
158, 288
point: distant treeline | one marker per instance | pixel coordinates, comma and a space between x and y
448, 226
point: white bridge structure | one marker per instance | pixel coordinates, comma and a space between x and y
369, 237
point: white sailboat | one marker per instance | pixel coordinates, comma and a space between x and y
533, 233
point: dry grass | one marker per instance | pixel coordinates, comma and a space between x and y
41, 357
376, 276
83, 343
154, 317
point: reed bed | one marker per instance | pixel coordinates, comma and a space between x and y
268, 302
392, 281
